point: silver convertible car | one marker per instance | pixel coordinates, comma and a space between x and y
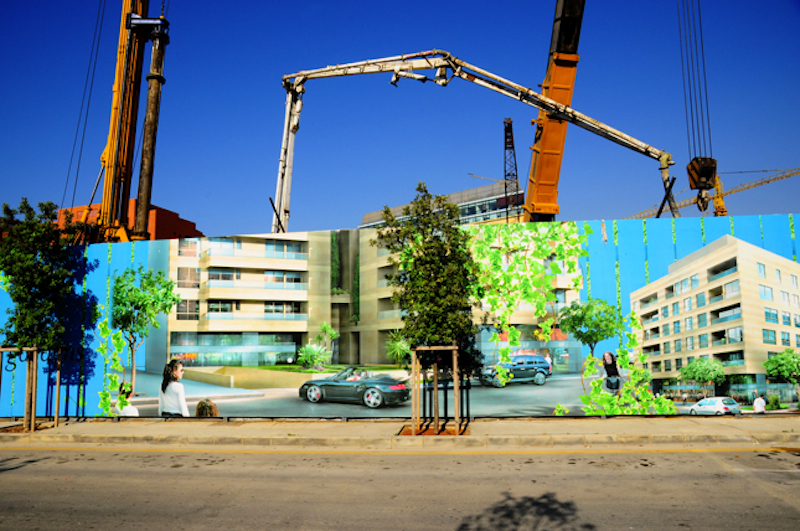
357, 385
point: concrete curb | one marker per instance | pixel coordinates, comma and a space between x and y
406, 443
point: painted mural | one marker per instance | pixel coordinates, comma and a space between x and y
723, 288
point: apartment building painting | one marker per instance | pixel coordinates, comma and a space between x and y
729, 300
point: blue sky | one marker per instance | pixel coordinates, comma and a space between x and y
364, 143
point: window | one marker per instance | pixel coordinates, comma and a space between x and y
667, 346
785, 297
188, 311
786, 318
695, 281
665, 311
702, 320
188, 277
688, 323
220, 243
220, 306
771, 315
731, 289
765, 292
797, 320
684, 285
677, 345
687, 304
785, 339
797, 340
734, 335
667, 365
676, 327
676, 308
281, 307
768, 336
690, 343
794, 281
701, 300
762, 271
187, 247
689, 360
778, 275
703, 341
678, 364
220, 274
676, 288
795, 301
665, 329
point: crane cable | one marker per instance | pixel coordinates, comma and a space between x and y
695, 84
88, 83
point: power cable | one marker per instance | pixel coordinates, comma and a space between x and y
90, 71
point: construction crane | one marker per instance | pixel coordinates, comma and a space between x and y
117, 157
551, 131
718, 197
446, 67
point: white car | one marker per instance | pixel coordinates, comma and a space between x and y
716, 405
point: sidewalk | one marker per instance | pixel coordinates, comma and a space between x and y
499, 434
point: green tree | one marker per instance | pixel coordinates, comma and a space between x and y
785, 366
336, 272
517, 264
704, 371
435, 273
398, 349
591, 321
356, 289
41, 275
318, 351
140, 296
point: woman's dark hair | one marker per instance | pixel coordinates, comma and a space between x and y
169, 377
613, 357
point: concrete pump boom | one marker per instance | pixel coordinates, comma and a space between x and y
446, 68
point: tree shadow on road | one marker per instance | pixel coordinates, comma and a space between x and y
12, 463
527, 513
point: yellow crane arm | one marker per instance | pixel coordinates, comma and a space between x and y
719, 203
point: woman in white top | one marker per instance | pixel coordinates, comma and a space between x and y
171, 396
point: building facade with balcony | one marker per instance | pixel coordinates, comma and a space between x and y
248, 300
731, 301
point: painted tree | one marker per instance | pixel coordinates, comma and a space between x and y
518, 263
318, 351
435, 272
591, 321
704, 371
140, 296
785, 366
398, 349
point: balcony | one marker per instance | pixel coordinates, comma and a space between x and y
648, 337
245, 316
648, 304
240, 284
384, 283
651, 320
726, 319
718, 298
721, 274
390, 314
732, 363
255, 254
725, 341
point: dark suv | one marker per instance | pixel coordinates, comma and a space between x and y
524, 368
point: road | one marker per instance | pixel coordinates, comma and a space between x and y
163, 488
514, 400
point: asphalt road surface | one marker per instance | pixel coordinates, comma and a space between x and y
514, 400
182, 489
